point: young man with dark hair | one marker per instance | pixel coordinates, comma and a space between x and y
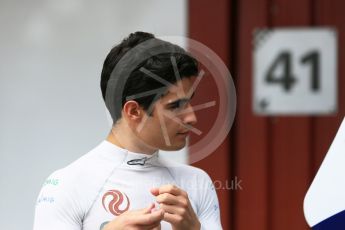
147, 85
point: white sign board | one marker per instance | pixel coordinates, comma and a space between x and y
295, 71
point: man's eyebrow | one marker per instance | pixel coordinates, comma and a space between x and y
184, 99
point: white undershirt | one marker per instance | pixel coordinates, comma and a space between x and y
109, 180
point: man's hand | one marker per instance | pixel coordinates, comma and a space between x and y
177, 208
146, 219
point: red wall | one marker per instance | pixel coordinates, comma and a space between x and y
275, 157
209, 24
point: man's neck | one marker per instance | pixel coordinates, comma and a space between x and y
126, 142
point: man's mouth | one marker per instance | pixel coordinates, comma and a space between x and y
184, 133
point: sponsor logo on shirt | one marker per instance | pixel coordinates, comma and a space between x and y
103, 224
113, 199
45, 199
51, 181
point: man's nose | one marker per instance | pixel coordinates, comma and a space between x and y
190, 117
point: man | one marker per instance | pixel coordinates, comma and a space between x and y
147, 85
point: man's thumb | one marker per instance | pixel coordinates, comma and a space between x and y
148, 209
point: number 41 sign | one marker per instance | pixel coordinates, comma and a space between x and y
295, 71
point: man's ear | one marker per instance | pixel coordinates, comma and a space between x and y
132, 111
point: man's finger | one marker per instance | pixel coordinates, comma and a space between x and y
172, 209
172, 218
154, 191
144, 210
172, 189
147, 209
149, 218
167, 198
156, 226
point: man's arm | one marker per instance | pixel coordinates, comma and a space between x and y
179, 212
209, 215
55, 207
59, 207
177, 207
143, 219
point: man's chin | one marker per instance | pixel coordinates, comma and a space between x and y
175, 147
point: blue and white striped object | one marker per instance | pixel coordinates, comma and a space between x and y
324, 204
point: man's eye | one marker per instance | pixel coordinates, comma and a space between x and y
175, 105
178, 104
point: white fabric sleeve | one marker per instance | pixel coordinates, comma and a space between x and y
209, 215
55, 207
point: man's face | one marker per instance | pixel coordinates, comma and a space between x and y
172, 118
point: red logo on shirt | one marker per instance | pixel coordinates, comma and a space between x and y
112, 200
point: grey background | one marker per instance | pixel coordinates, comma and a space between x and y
51, 109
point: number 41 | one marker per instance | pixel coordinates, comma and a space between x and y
287, 79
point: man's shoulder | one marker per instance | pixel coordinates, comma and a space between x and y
78, 183
80, 166
187, 171
91, 169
